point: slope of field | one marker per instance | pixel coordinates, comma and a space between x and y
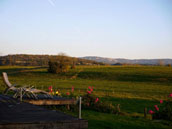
133, 87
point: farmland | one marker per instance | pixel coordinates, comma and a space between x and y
133, 87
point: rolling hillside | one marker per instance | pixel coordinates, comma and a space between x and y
40, 60
128, 61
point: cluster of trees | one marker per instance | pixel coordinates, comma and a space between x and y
25, 60
61, 64
40, 60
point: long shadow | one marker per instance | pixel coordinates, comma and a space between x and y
133, 105
110, 76
15, 71
121, 124
130, 77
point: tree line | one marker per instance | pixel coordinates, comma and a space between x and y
43, 60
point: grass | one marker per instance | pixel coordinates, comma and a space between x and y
133, 87
108, 121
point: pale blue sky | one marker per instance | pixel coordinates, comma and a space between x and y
110, 28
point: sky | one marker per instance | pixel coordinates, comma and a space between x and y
133, 29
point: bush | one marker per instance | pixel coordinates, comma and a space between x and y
164, 110
60, 65
165, 113
90, 102
169, 65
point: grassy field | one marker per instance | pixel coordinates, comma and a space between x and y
133, 87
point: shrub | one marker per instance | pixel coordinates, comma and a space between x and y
59, 65
93, 103
164, 110
169, 65
165, 113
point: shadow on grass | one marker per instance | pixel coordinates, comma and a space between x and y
131, 77
14, 70
97, 124
108, 121
132, 105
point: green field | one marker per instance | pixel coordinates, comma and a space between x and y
133, 87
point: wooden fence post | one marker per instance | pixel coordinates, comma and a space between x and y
145, 113
21, 95
80, 99
118, 108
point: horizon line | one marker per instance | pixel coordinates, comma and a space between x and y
91, 56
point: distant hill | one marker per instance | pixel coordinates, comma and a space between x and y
128, 61
40, 60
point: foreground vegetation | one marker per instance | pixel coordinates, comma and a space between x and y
133, 87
